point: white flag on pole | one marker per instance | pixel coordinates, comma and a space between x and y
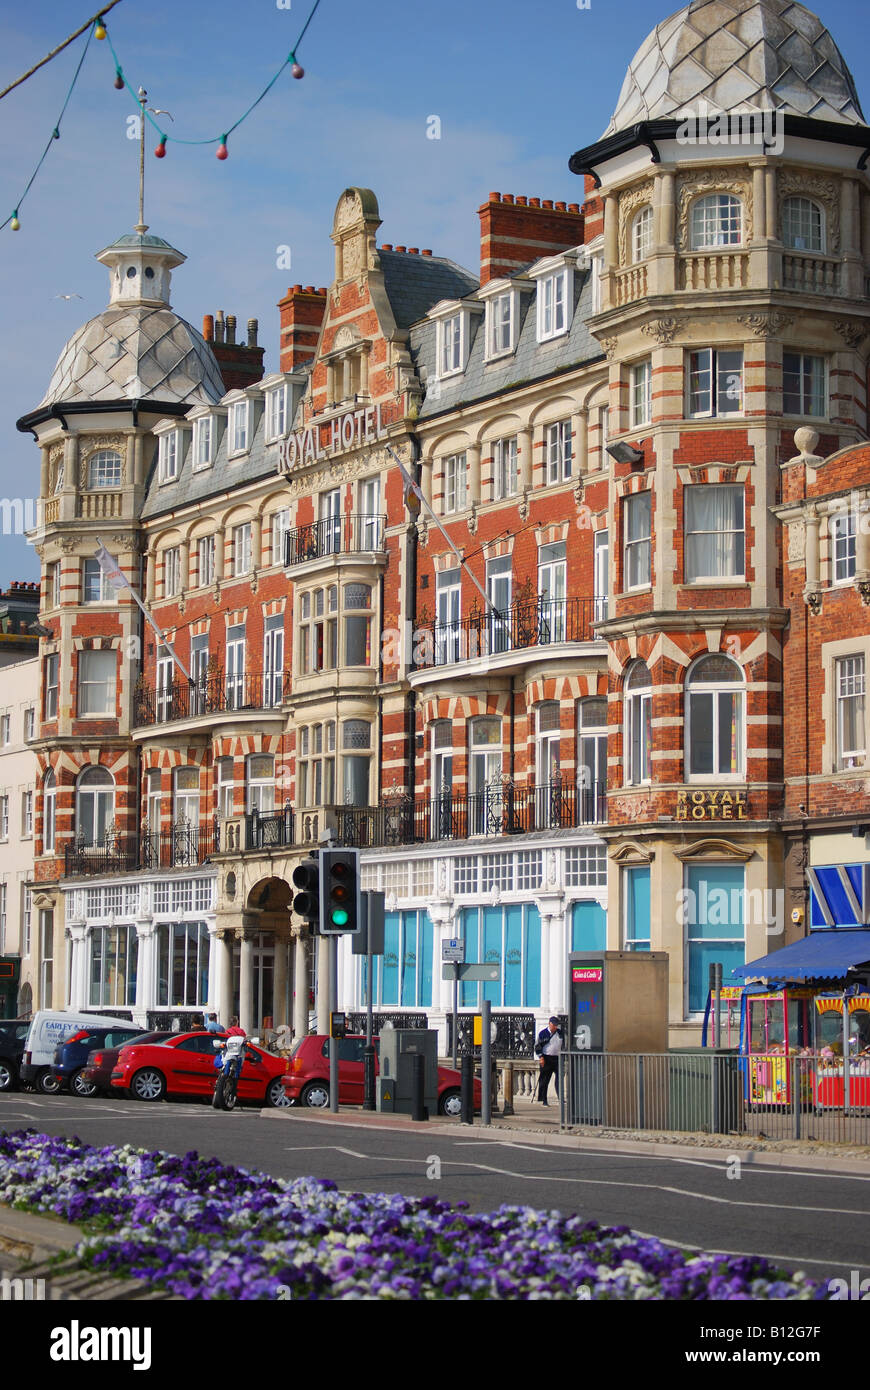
119, 582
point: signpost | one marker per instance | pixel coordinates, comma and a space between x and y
452, 956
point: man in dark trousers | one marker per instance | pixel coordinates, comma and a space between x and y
547, 1048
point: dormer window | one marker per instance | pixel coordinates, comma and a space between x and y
452, 336
203, 442
167, 457
555, 298
104, 469
276, 413
239, 427
500, 320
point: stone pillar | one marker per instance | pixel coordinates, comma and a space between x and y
667, 211
472, 454
330, 382
279, 984
426, 479
770, 228
662, 265
136, 459
150, 574
44, 473
245, 935
853, 269
256, 543
77, 944
579, 427
611, 231
184, 560
146, 991
524, 458
322, 999
225, 939
759, 199
300, 984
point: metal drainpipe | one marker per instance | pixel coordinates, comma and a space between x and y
411, 616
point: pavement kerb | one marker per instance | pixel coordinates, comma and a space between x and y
521, 1136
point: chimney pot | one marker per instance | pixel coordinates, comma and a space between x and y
573, 207
413, 251
547, 203
208, 327
231, 328
253, 327
508, 198
560, 207
495, 197
426, 252
534, 202
297, 289
309, 289
522, 202
400, 248
322, 290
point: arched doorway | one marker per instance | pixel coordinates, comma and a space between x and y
267, 912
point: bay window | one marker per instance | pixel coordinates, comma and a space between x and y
716, 220
714, 382
803, 384
641, 393
96, 682
714, 531
637, 522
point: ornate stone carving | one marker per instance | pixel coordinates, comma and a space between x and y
630, 202
852, 331
790, 183
348, 212
813, 600
768, 324
737, 180
345, 337
610, 345
663, 330
523, 505
797, 542
863, 587
473, 519
94, 445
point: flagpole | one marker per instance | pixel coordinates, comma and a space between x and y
464, 564
118, 580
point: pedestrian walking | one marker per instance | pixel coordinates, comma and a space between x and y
547, 1049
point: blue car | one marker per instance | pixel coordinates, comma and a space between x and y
71, 1056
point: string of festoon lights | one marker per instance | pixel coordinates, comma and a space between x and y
96, 29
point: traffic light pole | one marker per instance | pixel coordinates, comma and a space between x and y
333, 1042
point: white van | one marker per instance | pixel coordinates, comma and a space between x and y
47, 1029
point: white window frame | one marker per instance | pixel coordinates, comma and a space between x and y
203, 441
642, 234
98, 476
51, 689
49, 812
206, 548
27, 814
239, 428
634, 504
505, 468
560, 444
735, 688
276, 413
850, 671
278, 531
243, 552
167, 457
712, 233
87, 687
692, 493
719, 385
91, 570
172, 571
794, 245
4, 816
641, 393
5, 730
555, 291
636, 704
452, 343
55, 578
455, 470
805, 397
29, 723
500, 325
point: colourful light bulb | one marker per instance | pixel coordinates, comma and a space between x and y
160, 150
119, 80
297, 70
15, 224
100, 31
222, 151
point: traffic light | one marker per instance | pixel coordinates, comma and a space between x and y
339, 891
306, 878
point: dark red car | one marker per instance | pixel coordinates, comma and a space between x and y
183, 1065
307, 1081
103, 1060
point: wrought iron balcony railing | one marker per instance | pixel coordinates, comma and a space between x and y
335, 535
217, 693
181, 846
276, 828
538, 622
503, 809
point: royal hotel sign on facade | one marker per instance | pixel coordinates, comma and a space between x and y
636, 422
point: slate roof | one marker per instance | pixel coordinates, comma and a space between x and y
531, 361
133, 352
739, 56
414, 283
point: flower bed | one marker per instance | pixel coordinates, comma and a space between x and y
205, 1230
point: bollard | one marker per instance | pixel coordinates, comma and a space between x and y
507, 1085
369, 1077
467, 1116
418, 1109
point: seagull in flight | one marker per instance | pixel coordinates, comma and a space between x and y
159, 111
67, 296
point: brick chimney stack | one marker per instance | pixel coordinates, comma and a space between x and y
302, 312
516, 231
241, 364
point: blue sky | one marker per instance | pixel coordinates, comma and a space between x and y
517, 86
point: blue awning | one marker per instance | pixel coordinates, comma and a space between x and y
823, 955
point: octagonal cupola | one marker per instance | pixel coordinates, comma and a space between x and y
140, 267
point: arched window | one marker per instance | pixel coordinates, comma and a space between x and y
185, 797
592, 758
104, 469
641, 234
717, 220
549, 740
356, 734
49, 811
638, 724
715, 718
95, 805
260, 783
803, 225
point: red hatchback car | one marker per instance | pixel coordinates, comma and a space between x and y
183, 1065
307, 1081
